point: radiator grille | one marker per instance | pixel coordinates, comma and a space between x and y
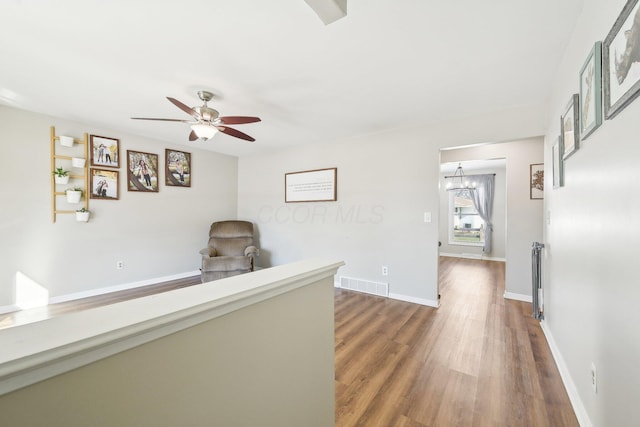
366, 286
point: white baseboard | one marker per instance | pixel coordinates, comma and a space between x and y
473, 256
517, 297
569, 385
8, 308
122, 287
399, 297
421, 301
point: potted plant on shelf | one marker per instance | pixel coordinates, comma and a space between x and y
61, 176
74, 195
82, 215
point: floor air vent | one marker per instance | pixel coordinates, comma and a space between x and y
366, 286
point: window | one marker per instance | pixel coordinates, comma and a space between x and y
465, 225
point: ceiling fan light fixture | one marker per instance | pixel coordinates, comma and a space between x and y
204, 131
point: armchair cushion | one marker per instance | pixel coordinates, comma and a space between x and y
227, 263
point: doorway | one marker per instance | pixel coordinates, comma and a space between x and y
461, 230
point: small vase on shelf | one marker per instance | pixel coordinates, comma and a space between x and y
82, 215
78, 162
74, 195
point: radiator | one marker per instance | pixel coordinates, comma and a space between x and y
536, 279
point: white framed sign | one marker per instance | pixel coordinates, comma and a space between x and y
311, 186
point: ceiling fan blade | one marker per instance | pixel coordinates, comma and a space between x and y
163, 120
238, 120
236, 133
185, 108
193, 136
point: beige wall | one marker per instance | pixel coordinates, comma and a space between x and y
386, 182
155, 234
591, 290
269, 364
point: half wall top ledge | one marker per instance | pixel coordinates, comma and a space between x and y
34, 352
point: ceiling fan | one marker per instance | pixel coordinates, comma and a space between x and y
206, 121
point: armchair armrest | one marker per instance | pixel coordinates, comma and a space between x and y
251, 251
208, 252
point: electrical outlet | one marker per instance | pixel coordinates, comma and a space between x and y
385, 270
594, 378
119, 265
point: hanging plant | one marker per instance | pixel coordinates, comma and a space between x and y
61, 176
74, 195
82, 215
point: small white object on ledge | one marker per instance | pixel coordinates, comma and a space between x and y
78, 162
67, 141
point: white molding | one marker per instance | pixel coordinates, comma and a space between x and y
122, 287
421, 301
517, 297
8, 308
37, 351
399, 297
473, 256
569, 385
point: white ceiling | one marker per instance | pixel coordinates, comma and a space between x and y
387, 64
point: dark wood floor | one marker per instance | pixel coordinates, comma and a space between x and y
478, 360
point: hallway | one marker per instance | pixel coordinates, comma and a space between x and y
478, 360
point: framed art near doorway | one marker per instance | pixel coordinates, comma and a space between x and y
536, 181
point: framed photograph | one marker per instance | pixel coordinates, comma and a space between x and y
591, 92
104, 151
569, 127
311, 186
558, 163
621, 61
536, 181
142, 171
177, 170
104, 184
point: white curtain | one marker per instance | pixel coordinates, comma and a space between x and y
483, 201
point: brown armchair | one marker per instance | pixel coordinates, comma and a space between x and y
230, 250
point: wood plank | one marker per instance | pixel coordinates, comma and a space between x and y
478, 360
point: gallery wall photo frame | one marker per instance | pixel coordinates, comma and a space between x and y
591, 92
536, 181
104, 151
105, 184
569, 123
558, 163
142, 171
620, 65
318, 185
177, 168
